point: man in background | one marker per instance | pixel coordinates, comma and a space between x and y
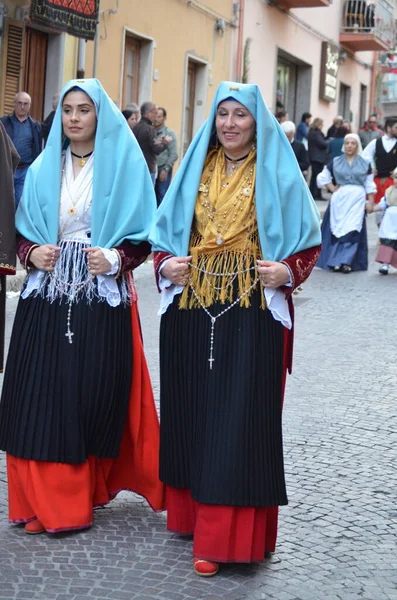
26, 136
146, 136
370, 131
167, 158
47, 123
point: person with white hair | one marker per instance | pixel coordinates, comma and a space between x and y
298, 147
344, 235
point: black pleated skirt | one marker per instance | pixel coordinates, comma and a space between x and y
62, 402
221, 430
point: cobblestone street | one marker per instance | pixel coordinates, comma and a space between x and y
338, 535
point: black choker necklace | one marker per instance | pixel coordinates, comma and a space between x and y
234, 160
82, 157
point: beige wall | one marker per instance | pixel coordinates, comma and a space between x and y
175, 31
271, 30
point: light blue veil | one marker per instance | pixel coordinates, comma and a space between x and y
288, 219
123, 202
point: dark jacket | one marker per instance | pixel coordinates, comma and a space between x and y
146, 135
46, 125
317, 146
335, 147
36, 130
301, 155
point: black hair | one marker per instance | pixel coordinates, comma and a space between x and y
127, 113
306, 115
341, 132
164, 111
390, 122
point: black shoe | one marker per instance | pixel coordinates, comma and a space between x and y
384, 270
345, 269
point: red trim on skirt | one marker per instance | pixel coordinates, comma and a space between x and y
222, 533
387, 255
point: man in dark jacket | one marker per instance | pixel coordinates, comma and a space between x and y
47, 123
26, 136
146, 136
299, 149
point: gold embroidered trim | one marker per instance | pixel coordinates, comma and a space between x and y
5, 266
304, 272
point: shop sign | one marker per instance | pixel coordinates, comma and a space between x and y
329, 72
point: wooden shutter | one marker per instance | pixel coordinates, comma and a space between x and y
12, 64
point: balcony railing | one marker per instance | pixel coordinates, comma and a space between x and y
287, 4
367, 25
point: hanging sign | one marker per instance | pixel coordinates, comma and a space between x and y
329, 72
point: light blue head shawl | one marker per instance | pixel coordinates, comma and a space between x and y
123, 201
288, 219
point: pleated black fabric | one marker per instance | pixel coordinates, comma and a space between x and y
221, 431
62, 402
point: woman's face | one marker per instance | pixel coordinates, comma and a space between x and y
351, 146
235, 127
132, 121
79, 117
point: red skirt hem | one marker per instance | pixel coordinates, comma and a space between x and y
222, 534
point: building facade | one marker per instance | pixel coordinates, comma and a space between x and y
34, 59
319, 56
170, 51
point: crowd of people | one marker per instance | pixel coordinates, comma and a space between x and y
78, 420
157, 142
356, 173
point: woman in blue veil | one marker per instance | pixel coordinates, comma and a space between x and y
77, 416
237, 232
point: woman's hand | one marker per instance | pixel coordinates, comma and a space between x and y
333, 188
44, 257
97, 263
369, 207
177, 270
272, 274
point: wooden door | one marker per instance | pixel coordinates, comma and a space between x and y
131, 71
189, 104
36, 44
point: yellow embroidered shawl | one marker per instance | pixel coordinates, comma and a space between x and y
224, 235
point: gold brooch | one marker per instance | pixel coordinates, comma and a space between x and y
203, 188
247, 191
234, 89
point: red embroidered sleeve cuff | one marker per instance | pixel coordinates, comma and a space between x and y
158, 259
24, 250
131, 256
300, 266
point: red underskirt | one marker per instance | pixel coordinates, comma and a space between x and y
381, 188
222, 533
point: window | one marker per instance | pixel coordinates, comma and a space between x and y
131, 71
189, 104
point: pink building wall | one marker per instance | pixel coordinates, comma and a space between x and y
300, 34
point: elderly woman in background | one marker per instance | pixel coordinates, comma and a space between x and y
230, 249
344, 234
299, 149
317, 154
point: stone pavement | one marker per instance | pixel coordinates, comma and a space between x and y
337, 537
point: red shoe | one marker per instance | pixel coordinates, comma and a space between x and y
205, 568
34, 527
